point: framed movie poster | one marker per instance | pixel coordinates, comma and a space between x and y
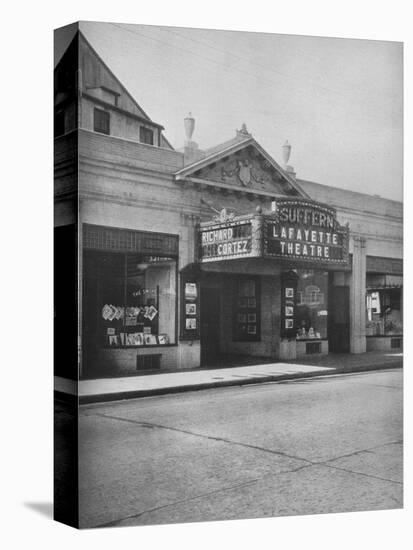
190, 314
289, 281
190, 308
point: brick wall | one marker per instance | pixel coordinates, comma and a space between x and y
122, 362
93, 146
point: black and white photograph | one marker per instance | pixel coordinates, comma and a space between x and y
228, 255
191, 309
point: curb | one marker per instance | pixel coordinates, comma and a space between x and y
135, 394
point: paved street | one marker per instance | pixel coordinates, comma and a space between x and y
317, 445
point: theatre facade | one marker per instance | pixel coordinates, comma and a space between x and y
188, 258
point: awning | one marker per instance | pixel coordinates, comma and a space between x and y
376, 282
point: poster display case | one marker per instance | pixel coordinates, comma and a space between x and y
246, 309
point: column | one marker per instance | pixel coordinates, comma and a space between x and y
358, 297
79, 298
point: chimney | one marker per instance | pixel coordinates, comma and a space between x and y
191, 151
286, 152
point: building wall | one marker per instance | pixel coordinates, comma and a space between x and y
127, 155
127, 185
122, 362
65, 179
121, 124
378, 220
70, 116
130, 185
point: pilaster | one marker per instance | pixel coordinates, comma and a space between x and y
79, 298
358, 297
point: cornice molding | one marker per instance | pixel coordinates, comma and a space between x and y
135, 202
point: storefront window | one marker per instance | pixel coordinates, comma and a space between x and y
384, 312
312, 304
130, 299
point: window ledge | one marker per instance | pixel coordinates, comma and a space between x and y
384, 335
141, 347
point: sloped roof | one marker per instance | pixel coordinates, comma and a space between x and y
97, 74
239, 138
355, 200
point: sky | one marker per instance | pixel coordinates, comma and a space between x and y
339, 102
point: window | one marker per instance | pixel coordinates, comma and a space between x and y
101, 122
384, 312
312, 305
129, 299
59, 123
246, 322
146, 135
311, 296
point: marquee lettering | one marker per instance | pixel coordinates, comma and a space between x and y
307, 216
223, 242
298, 230
303, 230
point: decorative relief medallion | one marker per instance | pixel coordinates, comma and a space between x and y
245, 172
246, 169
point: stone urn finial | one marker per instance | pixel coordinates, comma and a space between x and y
189, 124
244, 130
286, 151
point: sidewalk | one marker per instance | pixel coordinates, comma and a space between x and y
109, 389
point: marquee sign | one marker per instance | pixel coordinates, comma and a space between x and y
228, 240
305, 231
298, 230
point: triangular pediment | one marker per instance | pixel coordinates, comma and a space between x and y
246, 166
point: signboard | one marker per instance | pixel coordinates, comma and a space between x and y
223, 241
305, 231
288, 304
189, 308
299, 230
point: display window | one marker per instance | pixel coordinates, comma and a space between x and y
130, 299
384, 312
312, 304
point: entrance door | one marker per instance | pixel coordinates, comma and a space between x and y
210, 324
339, 319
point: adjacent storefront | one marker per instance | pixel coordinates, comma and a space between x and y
384, 304
129, 298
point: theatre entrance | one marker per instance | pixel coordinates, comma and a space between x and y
210, 324
339, 320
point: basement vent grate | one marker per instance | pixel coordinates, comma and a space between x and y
313, 347
148, 362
